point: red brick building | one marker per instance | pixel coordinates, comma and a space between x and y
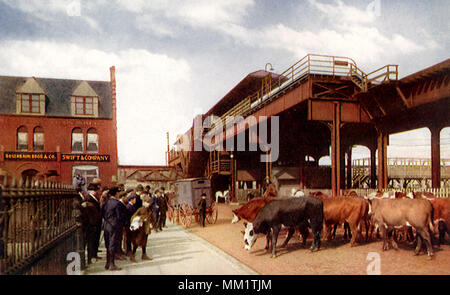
56, 128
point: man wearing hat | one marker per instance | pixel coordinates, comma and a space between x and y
112, 214
139, 192
201, 207
130, 210
91, 205
123, 199
163, 207
155, 207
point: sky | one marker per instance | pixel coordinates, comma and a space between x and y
175, 59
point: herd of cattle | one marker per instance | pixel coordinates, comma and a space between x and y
393, 215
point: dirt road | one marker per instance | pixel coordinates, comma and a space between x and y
334, 258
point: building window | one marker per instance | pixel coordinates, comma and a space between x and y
84, 106
92, 141
30, 103
77, 140
89, 172
22, 139
38, 139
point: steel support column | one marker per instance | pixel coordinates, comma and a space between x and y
382, 160
335, 151
349, 167
435, 157
233, 180
373, 167
343, 150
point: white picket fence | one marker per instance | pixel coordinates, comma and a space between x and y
438, 193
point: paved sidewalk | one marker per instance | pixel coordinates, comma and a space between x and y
175, 251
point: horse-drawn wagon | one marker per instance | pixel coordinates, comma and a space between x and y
183, 206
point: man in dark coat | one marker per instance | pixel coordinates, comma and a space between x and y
162, 203
112, 214
91, 205
139, 192
154, 206
119, 254
201, 207
130, 210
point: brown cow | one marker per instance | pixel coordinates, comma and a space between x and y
252, 208
391, 213
345, 209
140, 227
441, 216
404, 233
347, 231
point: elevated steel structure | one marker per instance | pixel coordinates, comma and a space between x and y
322, 102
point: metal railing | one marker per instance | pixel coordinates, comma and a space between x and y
403, 167
311, 64
383, 74
34, 215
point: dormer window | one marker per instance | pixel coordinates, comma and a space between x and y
30, 103
84, 101
84, 106
30, 98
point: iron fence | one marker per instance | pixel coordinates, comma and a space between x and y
34, 216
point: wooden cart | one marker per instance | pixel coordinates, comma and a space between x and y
183, 205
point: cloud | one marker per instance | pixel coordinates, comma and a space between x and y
194, 13
340, 13
345, 30
150, 89
53, 10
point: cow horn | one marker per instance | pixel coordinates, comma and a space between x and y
245, 224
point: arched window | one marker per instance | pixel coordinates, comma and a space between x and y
77, 140
22, 139
92, 141
38, 139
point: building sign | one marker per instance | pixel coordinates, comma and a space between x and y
29, 156
85, 157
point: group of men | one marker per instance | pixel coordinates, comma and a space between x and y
112, 209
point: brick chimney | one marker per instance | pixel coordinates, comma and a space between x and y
112, 71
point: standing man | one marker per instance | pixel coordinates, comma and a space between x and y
162, 203
123, 202
112, 214
147, 189
91, 204
154, 206
201, 207
104, 196
131, 209
139, 192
